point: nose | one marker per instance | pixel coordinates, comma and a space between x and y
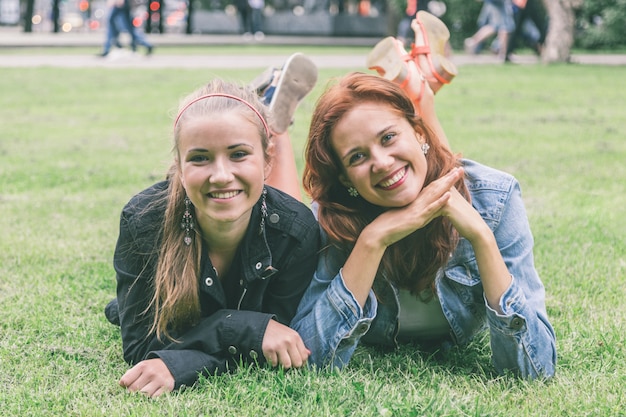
381, 160
220, 172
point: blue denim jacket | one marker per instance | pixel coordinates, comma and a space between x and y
331, 322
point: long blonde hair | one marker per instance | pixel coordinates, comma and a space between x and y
175, 302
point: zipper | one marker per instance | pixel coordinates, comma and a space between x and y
245, 290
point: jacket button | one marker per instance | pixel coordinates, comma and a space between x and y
258, 265
517, 323
253, 354
274, 218
208, 281
232, 350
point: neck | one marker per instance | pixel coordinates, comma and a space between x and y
222, 241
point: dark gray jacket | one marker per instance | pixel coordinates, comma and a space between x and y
235, 309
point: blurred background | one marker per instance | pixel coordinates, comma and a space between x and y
594, 24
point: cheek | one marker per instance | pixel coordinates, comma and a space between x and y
358, 176
191, 178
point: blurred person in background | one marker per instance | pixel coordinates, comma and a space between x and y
119, 21
495, 18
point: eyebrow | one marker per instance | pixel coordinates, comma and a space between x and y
236, 145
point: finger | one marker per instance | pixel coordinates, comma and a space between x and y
302, 354
153, 389
160, 392
272, 359
284, 358
130, 377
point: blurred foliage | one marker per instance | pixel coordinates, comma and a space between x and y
599, 23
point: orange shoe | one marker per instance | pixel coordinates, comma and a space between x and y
392, 62
430, 50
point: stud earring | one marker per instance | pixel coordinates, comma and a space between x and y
353, 192
425, 147
187, 223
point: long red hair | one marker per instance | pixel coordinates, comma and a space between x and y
413, 262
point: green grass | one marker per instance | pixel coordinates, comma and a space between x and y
76, 144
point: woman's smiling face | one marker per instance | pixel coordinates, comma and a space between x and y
380, 154
223, 167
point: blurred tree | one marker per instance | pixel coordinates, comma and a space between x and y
560, 36
601, 24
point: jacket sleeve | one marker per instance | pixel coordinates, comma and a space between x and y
208, 347
522, 338
329, 319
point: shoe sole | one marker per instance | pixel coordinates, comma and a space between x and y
297, 79
386, 59
437, 36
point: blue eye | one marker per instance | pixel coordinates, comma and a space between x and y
239, 154
386, 138
198, 158
356, 157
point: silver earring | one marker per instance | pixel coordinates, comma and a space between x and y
353, 192
425, 147
187, 223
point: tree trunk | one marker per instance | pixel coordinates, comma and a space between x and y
560, 37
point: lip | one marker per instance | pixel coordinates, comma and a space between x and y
394, 180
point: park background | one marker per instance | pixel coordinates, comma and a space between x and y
589, 24
77, 141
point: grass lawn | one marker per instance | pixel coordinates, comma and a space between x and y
76, 144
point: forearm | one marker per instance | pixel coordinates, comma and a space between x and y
494, 273
331, 322
362, 265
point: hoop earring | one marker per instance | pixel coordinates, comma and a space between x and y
353, 192
187, 223
425, 147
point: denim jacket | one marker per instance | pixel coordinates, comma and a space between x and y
270, 272
331, 322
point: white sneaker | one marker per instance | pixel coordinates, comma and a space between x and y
297, 78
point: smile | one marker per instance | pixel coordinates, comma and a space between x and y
394, 181
224, 195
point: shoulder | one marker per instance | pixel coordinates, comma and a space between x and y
479, 176
288, 215
145, 210
490, 189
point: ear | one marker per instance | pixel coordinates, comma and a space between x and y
344, 181
269, 160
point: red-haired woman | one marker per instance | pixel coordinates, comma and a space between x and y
422, 246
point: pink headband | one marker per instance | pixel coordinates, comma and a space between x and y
267, 129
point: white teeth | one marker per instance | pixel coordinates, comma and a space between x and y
391, 181
229, 194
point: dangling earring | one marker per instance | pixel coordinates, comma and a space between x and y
187, 223
353, 192
263, 210
425, 147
